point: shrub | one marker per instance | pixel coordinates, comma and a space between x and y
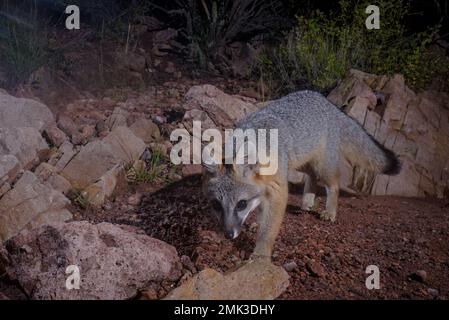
23, 44
318, 52
209, 26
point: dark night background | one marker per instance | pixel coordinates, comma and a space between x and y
411, 33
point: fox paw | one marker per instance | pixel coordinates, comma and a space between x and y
327, 216
259, 257
308, 201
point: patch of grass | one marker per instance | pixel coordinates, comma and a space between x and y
24, 45
139, 172
79, 199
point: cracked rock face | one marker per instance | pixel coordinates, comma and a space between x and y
113, 262
413, 125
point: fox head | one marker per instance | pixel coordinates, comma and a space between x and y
233, 195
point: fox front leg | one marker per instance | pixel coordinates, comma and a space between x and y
270, 220
330, 213
331, 177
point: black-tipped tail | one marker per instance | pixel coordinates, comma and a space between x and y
394, 165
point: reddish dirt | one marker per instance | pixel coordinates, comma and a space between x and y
399, 235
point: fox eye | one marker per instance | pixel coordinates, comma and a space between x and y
241, 205
216, 205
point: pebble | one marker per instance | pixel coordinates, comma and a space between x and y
315, 268
150, 294
433, 292
107, 206
420, 276
290, 266
159, 119
187, 263
135, 199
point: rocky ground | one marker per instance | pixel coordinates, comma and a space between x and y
405, 237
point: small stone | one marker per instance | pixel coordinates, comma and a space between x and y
290, 266
159, 119
433, 292
150, 294
135, 199
107, 206
101, 126
420, 276
315, 268
55, 135
67, 125
187, 263
83, 136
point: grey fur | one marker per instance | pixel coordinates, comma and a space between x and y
314, 135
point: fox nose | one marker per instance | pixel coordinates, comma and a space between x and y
231, 235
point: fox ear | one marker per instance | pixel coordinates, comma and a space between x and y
245, 164
211, 167
247, 170
211, 164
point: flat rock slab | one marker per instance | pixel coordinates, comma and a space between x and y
222, 108
255, 280
98, 157
30, 204
114, 262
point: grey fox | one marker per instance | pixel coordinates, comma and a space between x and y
313, 136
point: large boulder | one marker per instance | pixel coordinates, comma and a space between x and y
19, 112
24, 143
224, 109
414, 125
114, 262
256, 280
30, 204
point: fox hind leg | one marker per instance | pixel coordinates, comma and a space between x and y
308, 197
329, 173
